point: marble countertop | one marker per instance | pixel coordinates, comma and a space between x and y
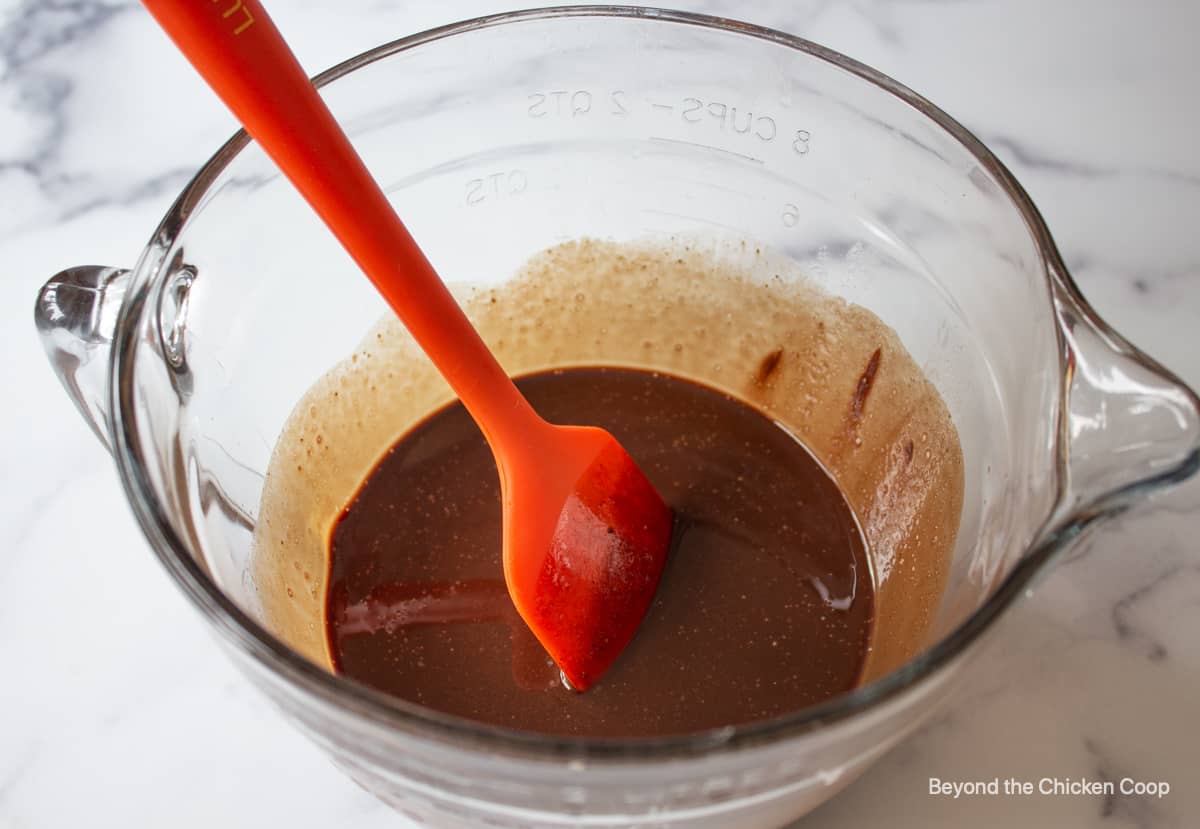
124, 713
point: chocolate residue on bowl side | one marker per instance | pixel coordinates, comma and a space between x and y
768, 366
863, 388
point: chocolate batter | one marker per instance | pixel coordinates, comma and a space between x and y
765, 607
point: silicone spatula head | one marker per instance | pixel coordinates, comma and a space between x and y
586, 539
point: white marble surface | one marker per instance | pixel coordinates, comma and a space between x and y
115, 712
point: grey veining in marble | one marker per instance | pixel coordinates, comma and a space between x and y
121, 713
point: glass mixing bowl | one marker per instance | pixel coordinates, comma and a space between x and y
501, 136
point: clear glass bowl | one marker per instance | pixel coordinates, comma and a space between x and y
500, 136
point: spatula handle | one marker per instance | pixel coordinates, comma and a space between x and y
235, 46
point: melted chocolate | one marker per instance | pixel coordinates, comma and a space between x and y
765, 606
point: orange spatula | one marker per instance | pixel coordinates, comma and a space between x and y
585, 533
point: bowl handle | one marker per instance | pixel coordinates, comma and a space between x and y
1129, 426
76, 314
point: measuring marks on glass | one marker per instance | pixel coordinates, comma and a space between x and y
496, 186
713, 126
751, 129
